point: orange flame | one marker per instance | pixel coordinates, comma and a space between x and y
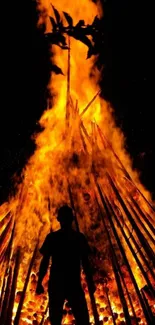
46, 175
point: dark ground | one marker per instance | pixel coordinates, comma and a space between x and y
128, 81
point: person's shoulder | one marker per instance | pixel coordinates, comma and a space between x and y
46, 244
48, 237
76, 233
51, 237
56, 234
81, 236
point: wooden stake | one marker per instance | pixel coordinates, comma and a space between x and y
17, 317
90, 103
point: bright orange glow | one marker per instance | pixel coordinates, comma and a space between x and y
65, 155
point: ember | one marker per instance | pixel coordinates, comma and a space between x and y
80, 160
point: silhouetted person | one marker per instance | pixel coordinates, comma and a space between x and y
68, 250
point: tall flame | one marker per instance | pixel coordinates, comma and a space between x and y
60, 159
46, 169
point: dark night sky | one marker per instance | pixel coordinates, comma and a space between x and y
128, 80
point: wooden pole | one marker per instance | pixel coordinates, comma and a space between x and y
68, 87
90, 103
145, 312
13, 289
142, 239
120, 271
17, 317
124, 169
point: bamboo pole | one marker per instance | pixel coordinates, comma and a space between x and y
124, 256
123, 281
85, 132
83, 140
139, 251
152, 317
8, 254
131, 248
109, 304
5, 219
68, 86
17, 317
137, 218
45, 313
7, 251
4, 309
13, 289
102, 137
143, 216
120, 289
149, 217
5, 235
68, 69
115, 270
125, 171
2, 293
73, 206
142, 239
76, 108
90, 103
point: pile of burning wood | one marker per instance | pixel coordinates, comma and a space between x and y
125, 293
109, 208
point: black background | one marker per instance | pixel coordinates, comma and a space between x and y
127, 82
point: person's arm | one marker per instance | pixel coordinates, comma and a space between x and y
44, 250
88, 272
86, 265
42, 272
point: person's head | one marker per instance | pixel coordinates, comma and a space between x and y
65, 216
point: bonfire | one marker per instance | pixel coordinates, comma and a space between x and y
79, 160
